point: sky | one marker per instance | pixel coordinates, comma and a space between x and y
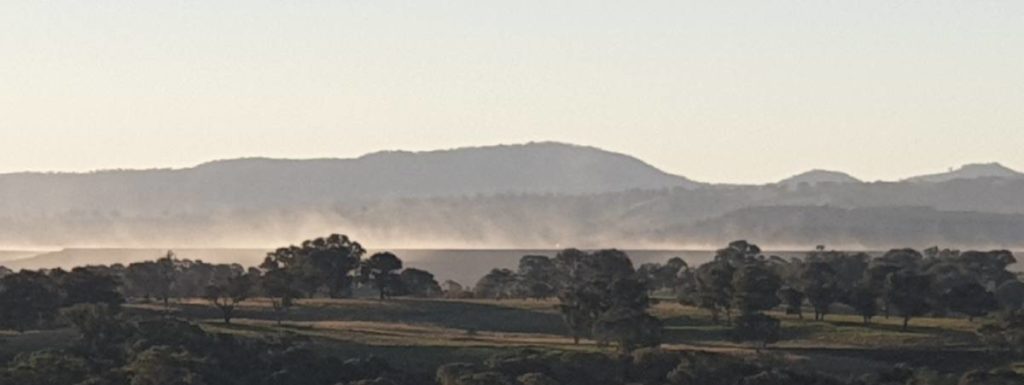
718, 91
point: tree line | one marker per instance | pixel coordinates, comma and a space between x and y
600, 295
742, 284
330, 266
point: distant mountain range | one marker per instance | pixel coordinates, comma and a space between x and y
260, 183
536, 195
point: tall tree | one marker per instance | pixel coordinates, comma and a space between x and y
419, 283
154, 279
537, 277
908, 293
320, 264
604, 298
794, 300
280, 287
821, 284
755, 288
864, 300
226, 296
892, 262
714, 288
497, 284
381, 271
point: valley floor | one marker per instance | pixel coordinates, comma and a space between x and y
421, 334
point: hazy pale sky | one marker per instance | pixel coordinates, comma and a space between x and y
719, 91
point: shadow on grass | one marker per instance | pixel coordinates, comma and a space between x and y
693, 330
911, 328
448, 314
797, 329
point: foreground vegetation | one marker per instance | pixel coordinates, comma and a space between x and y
323, 313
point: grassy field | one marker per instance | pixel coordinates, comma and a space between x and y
425, 333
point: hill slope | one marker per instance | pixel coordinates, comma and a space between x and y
261, 183
815, 177
971, 171
542, 195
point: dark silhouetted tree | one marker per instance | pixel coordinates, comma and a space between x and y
794, 301
226, 296
988, 267
381, 270
714, 289
419, 283
604, 298
537, 277
28, 299
864, 300
970, 299
756, 327
629, 328
84, 285
154, 279
320, 264
280, 287
498, 284
908, 293
1010, 295
821, 285
755, 288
